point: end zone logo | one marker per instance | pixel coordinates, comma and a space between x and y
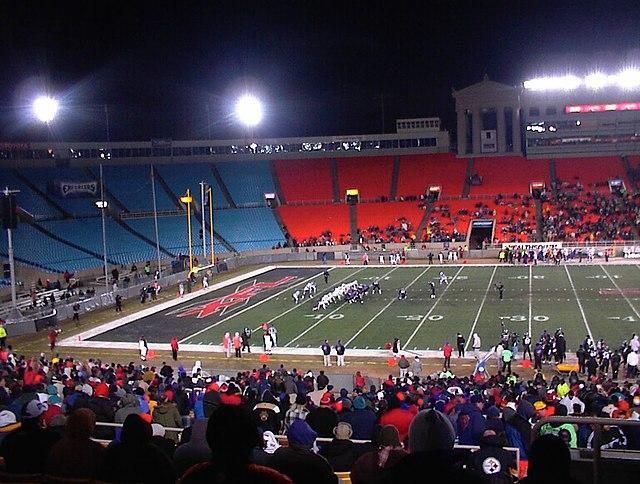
241, 295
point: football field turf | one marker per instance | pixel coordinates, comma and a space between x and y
597, 299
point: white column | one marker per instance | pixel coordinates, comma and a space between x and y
476, 130
517, 145
462, 133
500, 130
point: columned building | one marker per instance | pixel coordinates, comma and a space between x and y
488, 119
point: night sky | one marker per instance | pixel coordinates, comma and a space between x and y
173, 70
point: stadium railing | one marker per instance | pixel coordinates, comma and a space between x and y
602, 461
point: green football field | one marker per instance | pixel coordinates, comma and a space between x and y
601, 300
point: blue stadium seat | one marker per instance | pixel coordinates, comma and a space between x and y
131, 185
248, 228
182, 176
29, 200
84, 206
247, 181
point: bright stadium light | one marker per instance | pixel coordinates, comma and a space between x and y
628, 79
566, 83
249, 110
45, 108
597, 80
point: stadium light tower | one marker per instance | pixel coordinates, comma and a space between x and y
45, 108
249, 110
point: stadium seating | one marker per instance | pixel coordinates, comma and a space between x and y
417, 172
248, 228
308, 222
179, 177
28, 199
305, 180
449, 220
592, 172
122, 246
383, 215
247, 181
131, 185
508, 175
79, 206
49, 254
370, 175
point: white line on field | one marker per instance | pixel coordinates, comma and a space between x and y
621, 293
575, 293
530, 295
307, 300
183, 340
431, 310
314, 325
484, 298
383, 310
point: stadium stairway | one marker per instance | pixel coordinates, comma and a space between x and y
223, 187
276, 182
353, 222
630, 174
539, 220
467, 179
334, 178
167, 189
553, 177
424, 220
395, 173
34, 188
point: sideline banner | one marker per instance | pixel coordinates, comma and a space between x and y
536, 246
71, 189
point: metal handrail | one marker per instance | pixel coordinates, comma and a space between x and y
598, 423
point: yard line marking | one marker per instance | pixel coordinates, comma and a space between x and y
288, 288
621, 293
383, 309
431, 310
530, 295
475, 321
325, 317
308, 299
584, 318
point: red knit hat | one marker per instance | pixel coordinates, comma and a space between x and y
101, 390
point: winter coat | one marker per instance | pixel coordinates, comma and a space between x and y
167, 415
362, 422
130, 404
341, 454
302, 465
104, 413
195, 451
471, 425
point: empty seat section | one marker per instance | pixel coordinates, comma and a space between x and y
28, 199
122, 246
172, 232
305, 180
82, 204
592, 172
131, 185
248, 228
508, 174
304, 222
383, 215
36, 248
418, 172
370, 175
179, 177
247, 181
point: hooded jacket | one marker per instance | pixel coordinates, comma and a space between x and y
129, 405
195, 451
167, 415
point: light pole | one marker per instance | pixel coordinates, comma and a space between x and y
102, 205
188, 200
155, 217
213, 253
11, 216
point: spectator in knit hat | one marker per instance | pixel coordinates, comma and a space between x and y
494, 420
129, 404
323, 419
167, 415
471, 423
8, 423
491, 462
193, 451
76, 456
518, 428
431, 439
261, 454
367, 468
398, 414
361, 418
123, 461
549, 462
298, 461
25, 449
340, 452
232, 435
297, 411
101, 406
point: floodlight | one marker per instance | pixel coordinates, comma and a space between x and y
567, 83
597, 80
628, 79
249, 110
45, 108
102, 204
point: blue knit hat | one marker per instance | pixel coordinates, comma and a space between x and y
359, 403
301, 433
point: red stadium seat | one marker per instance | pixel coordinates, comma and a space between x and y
370, 175
418, 172
305, 180
304, 222
387, 214
592, 172
508, 175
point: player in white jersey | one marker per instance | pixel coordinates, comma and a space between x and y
443, 278
309, 290
297, 296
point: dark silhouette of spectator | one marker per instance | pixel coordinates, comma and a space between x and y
124, 458
549, 462
341, 453
193, 451
232, 435
76, 456
368, 467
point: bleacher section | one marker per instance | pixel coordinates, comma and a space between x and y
305, 180
383, 215
28, 199
180, 176
248, 228
370, 175
78, 207
131, 185
592, 172
508, 175
46, 253
305, 222
418, 172
448, 221
247, 181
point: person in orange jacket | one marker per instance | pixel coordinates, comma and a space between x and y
237, 344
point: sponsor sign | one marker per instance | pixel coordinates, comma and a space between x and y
73, 189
